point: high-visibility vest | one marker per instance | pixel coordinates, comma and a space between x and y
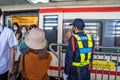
83, 50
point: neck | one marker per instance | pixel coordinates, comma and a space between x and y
79, 31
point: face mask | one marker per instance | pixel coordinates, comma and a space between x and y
15, 28
23, 31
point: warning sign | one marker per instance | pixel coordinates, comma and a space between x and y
103, 64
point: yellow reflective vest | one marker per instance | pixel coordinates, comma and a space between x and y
83, 50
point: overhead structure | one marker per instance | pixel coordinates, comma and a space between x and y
38, 1
19, 2
13, 2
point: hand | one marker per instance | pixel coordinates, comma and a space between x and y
65, 77
11, 72
90, 66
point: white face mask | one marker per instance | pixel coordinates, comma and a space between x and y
15, 28
23, 31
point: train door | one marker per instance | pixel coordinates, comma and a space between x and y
23, 18
51, 23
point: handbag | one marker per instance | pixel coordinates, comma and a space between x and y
17, 76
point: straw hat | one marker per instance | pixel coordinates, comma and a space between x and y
35, 39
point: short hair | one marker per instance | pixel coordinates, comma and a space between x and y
0, 11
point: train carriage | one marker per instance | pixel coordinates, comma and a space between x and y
102, 22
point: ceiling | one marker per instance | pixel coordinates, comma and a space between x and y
13, 2
17, 2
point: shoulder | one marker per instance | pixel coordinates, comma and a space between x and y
71, 37
8, 30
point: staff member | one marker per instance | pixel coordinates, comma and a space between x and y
79, 53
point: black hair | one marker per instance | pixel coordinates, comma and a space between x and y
0, 11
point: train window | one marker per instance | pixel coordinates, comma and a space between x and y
93, 28
50, 28
110, 28
117, 33
112, 32
67, 30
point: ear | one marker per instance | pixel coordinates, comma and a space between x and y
76, 28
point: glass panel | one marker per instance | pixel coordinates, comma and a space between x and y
92, 28
117, 33
50, 28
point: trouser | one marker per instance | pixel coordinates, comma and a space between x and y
79, 74
4, 76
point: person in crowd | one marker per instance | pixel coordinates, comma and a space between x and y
37, 59
33, 26
67, 35
7, 55
22, 46
16, 30
23, 30
78, 55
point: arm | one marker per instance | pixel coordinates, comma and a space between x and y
12, 42
12, 60
68, 57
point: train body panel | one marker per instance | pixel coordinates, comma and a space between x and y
101, 22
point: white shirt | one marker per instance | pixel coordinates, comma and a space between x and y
7, 40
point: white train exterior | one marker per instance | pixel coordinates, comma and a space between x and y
102, 20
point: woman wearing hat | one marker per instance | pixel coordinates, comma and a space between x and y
37, 59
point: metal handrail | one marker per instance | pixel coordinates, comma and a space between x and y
57, 54
54, 52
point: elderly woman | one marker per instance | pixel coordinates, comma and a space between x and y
37, 59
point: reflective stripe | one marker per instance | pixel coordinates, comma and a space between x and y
78, 64
90, 43
83, 50
76, 36
89, 55
80, 44
79, 41
82, 55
